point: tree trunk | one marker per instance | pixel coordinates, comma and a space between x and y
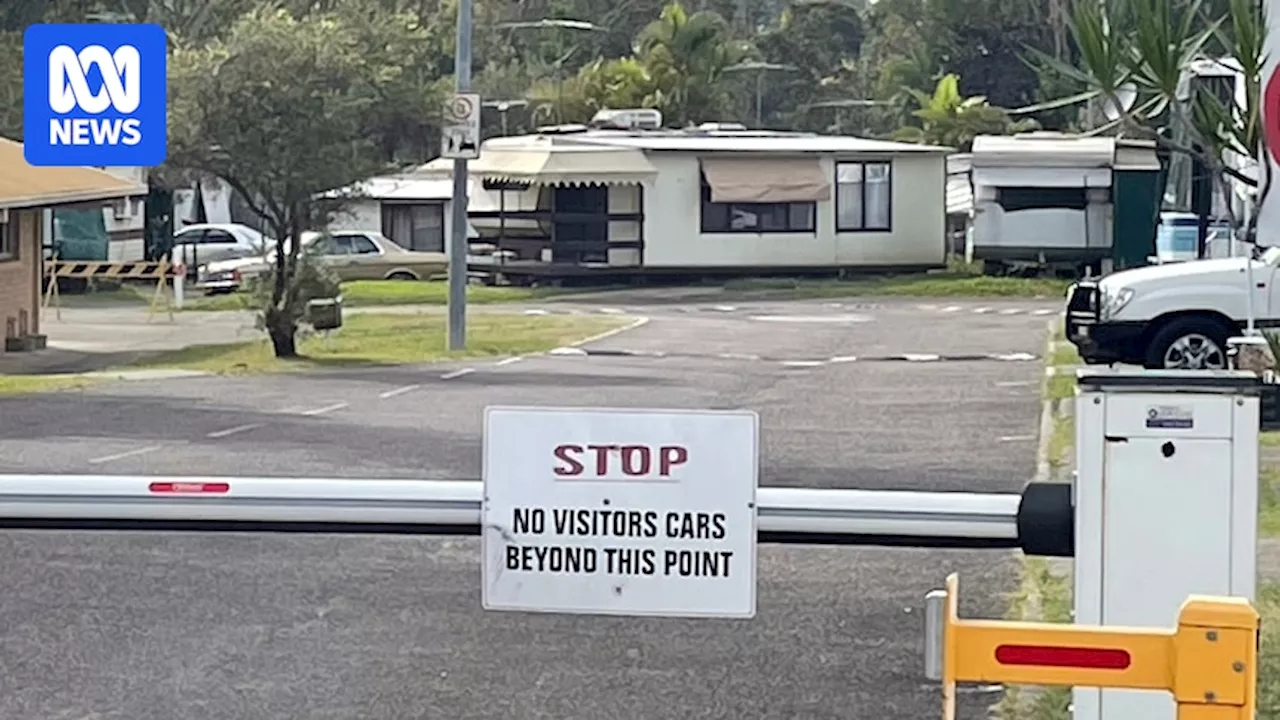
283, 332
278, 318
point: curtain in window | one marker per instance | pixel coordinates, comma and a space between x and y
428, 228
397, 224
878, 189
849, 196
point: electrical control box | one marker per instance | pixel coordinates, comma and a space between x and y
1166, 503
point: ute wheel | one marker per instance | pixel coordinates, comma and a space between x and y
401, 276
1191, 343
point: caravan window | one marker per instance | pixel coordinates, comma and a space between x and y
1039, 198
756, 217
864, 196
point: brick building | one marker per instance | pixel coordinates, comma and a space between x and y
25, 193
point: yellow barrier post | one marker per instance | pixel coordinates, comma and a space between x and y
159, 270
1208, 662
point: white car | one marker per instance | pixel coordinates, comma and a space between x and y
196, 245
351, 254
1174, 316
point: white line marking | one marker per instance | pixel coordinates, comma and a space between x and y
509, 361
951, 309
567, 351
457, 373
612, 311
921, 357
1010, 311
233, 430
121, 456
323, 410
1041, 311
738, 356
724, 308
1013, 357
640, 321
1013, 383
803, 363
1017, 438
843, 359
398, 391
982, 310
927, 306
536, 312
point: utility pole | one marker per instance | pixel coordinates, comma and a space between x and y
458, 238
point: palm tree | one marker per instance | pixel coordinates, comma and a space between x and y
686, 55
950, 119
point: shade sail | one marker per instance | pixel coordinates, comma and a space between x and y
766, 180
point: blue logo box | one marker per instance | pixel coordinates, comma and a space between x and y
95, 95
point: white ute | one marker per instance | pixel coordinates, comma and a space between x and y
1172, 316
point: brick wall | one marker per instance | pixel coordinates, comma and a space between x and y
19, 277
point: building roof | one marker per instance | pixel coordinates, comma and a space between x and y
26, 186
760, 142
1054, 149
401, 187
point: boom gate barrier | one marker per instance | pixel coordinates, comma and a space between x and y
1046, 518
1208, 662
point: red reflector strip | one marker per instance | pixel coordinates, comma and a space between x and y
1049, 656
189, 488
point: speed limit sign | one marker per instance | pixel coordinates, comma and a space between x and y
460, 131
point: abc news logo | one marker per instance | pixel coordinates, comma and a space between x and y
69, 92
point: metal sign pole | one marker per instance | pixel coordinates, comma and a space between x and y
457, 322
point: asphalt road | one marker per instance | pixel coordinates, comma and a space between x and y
157, 627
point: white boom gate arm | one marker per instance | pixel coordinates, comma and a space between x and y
1039, 521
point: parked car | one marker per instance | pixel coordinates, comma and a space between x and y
1174, 316
352, 254
215, 242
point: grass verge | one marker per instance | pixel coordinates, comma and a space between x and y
1268, 485
372, 339
925, 285
375, 293
28, 384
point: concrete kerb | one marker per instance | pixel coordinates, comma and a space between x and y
1028, 600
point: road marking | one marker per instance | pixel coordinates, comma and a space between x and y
509, 361
982, 310
323, 410
233, 430
921, 357
1041, 312
457, 373
536, 311
123, 455
737, 356
843, 359
951, 309
398, 391
611, 311
803, 363
1014, 357
1017, 438
1014, 383
1010, 311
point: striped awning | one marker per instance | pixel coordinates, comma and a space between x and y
564, 166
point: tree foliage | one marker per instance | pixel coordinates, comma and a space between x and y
286, 108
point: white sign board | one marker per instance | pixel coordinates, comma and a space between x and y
460, 134
620, 512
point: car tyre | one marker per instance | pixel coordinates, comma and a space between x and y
401, 276
1208, 334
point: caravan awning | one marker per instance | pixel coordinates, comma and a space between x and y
558, 166
766, 180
